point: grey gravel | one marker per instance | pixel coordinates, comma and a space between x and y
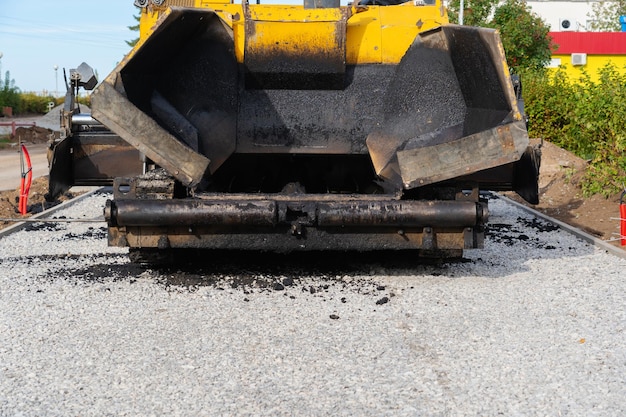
531, 325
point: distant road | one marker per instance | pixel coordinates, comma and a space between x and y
10, 170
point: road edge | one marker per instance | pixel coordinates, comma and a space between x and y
19, 225
594, 241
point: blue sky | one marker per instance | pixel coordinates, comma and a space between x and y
36, 35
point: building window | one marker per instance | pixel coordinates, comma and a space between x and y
554, 63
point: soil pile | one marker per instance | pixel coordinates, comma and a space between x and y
32, 134
9, 201
561, 197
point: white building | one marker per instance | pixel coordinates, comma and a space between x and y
564, 15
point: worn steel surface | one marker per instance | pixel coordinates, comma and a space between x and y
292, 92
314, 121
451, 97
270, 211
184, 79
477, 152
286, 223
99, 158
115, 111
94, 158
282, 240
61, 176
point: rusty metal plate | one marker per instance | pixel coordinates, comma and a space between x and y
477, 152
134, 126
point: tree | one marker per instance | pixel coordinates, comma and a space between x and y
9, 93
134, 28
524, 34
475, 12
605, 15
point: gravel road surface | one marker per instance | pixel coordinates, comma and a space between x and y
531, 325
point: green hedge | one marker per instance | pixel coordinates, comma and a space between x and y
31, 103
587, 118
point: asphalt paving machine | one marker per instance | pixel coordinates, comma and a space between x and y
283, 128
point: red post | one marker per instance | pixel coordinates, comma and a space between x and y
27, 177
622, 218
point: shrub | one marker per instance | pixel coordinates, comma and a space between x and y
584, 117
85, 99
524, 34
32, 103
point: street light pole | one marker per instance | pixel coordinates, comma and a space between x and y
461, 12
56, 81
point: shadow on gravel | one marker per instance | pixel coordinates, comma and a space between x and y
235, 269
510, 242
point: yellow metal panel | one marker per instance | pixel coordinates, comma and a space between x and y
210, 4
294, 40
293, 30
181, 3
277, 13
374, 34
402, 23
363, 43
239, 33
147, 20
382, 34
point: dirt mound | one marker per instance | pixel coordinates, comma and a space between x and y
32, 134
9, 201
560, 195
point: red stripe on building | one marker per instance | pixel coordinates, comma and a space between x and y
593, 43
